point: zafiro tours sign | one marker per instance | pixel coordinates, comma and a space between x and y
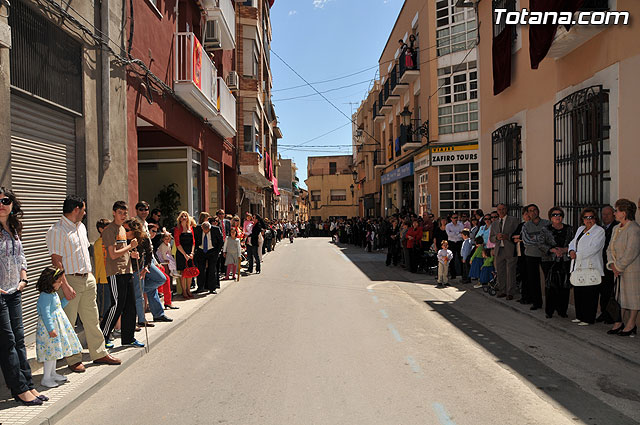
451, 155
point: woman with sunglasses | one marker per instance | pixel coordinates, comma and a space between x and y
585, 251
555, 265
13, 280
185, 245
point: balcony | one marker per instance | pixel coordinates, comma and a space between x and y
252, 169
408, 75
384, 107
377, 116
225, 122
565, 41
408, 140
397, 88
220, 29
198, 85
378, 161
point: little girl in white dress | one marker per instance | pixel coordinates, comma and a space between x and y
55, 337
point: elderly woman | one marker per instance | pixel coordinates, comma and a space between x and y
555, 266
623, 259
585, 251
13, 280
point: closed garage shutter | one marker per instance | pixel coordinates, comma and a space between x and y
43, 172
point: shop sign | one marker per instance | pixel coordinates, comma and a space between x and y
451, 155
421, 161
399, 173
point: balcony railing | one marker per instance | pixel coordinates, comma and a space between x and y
221, 24
409, 73
194, 70
595, 6
227, 107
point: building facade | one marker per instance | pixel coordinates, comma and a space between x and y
258, 134
564, 133
289, 191
416, 133
181, 119
63, 129
330, 183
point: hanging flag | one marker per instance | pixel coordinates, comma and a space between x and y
197, 63
274, 180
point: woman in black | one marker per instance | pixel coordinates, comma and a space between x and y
258, 228
556, 266
185, 246
440, 233
393, 243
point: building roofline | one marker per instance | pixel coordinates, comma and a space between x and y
391, 33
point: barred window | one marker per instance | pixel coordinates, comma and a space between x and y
459, 188
457, 98
456, 27
506, 151
582, 151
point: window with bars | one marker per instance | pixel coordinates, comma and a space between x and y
582, 151
459, 188
338, 195
506, 148
456, 27
457, 98
510, 5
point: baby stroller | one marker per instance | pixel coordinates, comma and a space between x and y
492, 287
429, 262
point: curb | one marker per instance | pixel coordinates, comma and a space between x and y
63, 407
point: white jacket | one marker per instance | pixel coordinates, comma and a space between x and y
588, 250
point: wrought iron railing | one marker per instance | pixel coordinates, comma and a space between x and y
510, 6
582, 151
594, 6
506, 148
402, 64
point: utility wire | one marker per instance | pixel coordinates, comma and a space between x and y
326, 91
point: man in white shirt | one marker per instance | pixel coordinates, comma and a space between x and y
454, 235
68, 247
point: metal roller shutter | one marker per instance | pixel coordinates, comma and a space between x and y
43, 172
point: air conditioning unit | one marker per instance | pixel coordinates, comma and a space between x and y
212, 38
232, 80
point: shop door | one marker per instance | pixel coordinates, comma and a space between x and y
43, 173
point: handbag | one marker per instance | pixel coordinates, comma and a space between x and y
613, 306
585, 277
190, 272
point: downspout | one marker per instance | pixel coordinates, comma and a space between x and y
105, 84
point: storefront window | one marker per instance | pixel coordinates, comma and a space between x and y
423, 194
459, 188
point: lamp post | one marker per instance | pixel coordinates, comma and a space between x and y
423, 130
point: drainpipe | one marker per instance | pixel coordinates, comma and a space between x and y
105, 85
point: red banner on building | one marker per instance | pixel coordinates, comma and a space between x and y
197, 63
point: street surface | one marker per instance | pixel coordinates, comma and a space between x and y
329, 335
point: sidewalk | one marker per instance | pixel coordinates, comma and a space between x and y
81, 385
627, 348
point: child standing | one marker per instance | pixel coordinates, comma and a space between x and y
165, 256
476, 259
487, 269
465, 253
444, 257
55, 338
232, 251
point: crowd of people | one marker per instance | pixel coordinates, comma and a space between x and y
519, 256
111, 284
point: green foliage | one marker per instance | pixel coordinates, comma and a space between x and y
168, 201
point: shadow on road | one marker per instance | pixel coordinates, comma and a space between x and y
581, 404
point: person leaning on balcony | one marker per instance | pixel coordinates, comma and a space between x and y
623, 258
185, 250
585, 251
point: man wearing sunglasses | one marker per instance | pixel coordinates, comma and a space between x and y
68, 247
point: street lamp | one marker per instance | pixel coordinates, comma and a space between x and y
423, 130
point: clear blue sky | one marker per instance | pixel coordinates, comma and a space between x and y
322, 40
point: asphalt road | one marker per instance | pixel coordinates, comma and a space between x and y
321, 337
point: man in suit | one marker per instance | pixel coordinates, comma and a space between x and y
209, 245
505, 259
608, 281
225, 228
